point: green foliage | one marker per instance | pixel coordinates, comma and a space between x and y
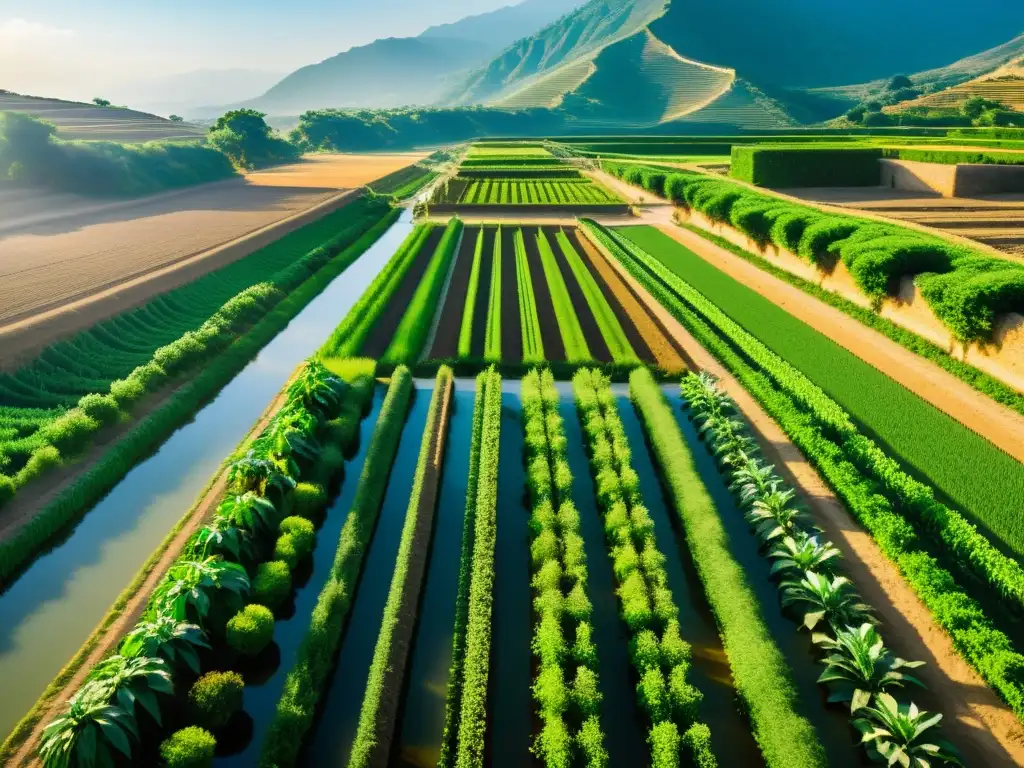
472, 291
244, 137
309, 500
250, 630
167, 638
215, 698
529, 319
191, 747
898, 733
806, 166
272, 585
576, 349
492, 335
302, 532
91, 732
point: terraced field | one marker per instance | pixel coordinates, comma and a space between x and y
496, 514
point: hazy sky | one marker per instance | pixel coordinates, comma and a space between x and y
70, 48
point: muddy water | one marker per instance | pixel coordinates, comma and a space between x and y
331, 741
50, 611
731, 736
422, 718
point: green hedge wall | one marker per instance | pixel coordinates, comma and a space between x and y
806, 166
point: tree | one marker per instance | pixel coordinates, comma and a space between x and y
899, 82
100, 102
244, 136
975, 107
177, 119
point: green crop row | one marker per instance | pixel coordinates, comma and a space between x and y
576, 349
220, 590
529, 320
984, 646
348, 338
472, 731
492, 335
453, 692
72, 502
472, 293
403, 183
966, 289
518, 174
611, 329
963, 544
385, 679
412, 331
660, 656
566, 686
759, 670
579, 191
308, 678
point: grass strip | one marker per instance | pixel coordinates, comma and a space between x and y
529, 320
576, 349
75, 500
611, 329
412, 331
492, 339
759, 671
466, 329
472, 731
378, 716
660, 656
307, 679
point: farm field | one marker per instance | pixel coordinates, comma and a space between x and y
478, 505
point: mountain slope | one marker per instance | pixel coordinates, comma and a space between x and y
397, 72
182, 93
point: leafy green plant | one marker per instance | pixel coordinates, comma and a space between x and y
250, 630
191, 747
132, 680
187, 592
272, 584
803, 553
215, 698
90, 733
167, 638
833, 600
898, 734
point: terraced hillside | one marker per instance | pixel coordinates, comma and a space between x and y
1005, 85
75, 120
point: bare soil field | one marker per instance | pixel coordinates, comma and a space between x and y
67, 262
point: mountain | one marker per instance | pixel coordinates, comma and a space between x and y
396, 72
182, 93
641, 63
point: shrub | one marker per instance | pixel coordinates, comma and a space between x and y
286, 551
697, 742
664, 741
70, 433
806, 166
215, 698
190, 747
127, 391
272, 585
343, 432
150, 376
789, 228
42, 460
102, 408
7, 489
302, 532
819, 235
250, 630
309, 500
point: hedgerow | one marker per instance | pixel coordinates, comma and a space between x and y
973, 631
307, 679
660, 656
492, 335
472, 728
561, 605
759, 670
806, 166
472, 293
576, 349
529, 320
384, 680
412, 331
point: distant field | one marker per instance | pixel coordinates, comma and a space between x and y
87, 121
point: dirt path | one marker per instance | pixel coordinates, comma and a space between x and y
112, 634
981, 726
978, 412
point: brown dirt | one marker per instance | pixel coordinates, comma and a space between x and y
446, 340
996, 423
334, 171
483, 296
981, 726
136, 605
664, 352
511, 327
588, 323
550, 334
402, 638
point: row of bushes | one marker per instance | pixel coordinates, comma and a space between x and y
660, 656
308, 278
260, 531
806, 166
384, 682
566, 686
472, 728
820, 599
416, 324
472, 296
575, 343
453, 691
759, 670
348, 338
985, 647
967, 290
308, 678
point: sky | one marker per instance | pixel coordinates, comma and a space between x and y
71, 48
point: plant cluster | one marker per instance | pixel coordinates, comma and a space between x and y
472, 294
199, 600
561, 191
966, 289
307, 679
576, 349
859, 670
492, 334
566, 686
924, 548
660, 655
529, 319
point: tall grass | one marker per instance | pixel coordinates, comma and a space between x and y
472, 293
529, 320
492, 338
576, 349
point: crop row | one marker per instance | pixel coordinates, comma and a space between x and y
221, 591
965, 288
759, 670
576, 349
416, 324
308, 678
808, 417
472, 296
659, 654
566, 687
529, 320
476, 659
378, 715
530, 192
811, 587
492, 336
